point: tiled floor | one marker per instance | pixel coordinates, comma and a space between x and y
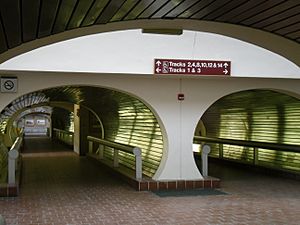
40, 144
62, 188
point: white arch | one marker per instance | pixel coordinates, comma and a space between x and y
241, 90
275, 43
60, 83
132, 52
179, 119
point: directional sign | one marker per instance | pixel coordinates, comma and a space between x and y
191, 67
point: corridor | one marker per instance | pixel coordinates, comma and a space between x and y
62, 188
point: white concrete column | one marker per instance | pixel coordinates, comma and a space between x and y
189, 121
178, 160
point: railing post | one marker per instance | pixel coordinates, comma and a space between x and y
116, 157
255, 155
116, 147
138, 163
101, 151
204, 154
12, 158
2, 220
91, 147
220, 150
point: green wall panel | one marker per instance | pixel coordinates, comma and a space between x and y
256, 115
135, 125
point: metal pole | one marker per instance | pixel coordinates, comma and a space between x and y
138, 163
2, 220
91, 147
220, 150
12, 156
255, 155
101, 151
116, 157
204, 154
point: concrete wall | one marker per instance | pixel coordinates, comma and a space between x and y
108, 53
178, 119
93, 60
275, 43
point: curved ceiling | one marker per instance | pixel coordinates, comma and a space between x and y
24, 21
70, 94
99, 99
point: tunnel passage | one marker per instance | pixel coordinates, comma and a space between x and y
112, 115
255, 115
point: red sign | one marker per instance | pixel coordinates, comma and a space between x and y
191, 67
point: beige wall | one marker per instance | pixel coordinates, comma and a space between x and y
107, 53
178, 119
283, 46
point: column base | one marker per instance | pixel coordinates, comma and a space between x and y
9, 190
148, 184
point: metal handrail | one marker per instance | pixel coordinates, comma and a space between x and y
63, 131
254, 144
65, 136
136, 151
122, 147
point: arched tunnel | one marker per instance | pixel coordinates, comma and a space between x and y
263, 116
104, 113
110, 74
255, 116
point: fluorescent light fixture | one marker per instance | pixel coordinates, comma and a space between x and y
162, 31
